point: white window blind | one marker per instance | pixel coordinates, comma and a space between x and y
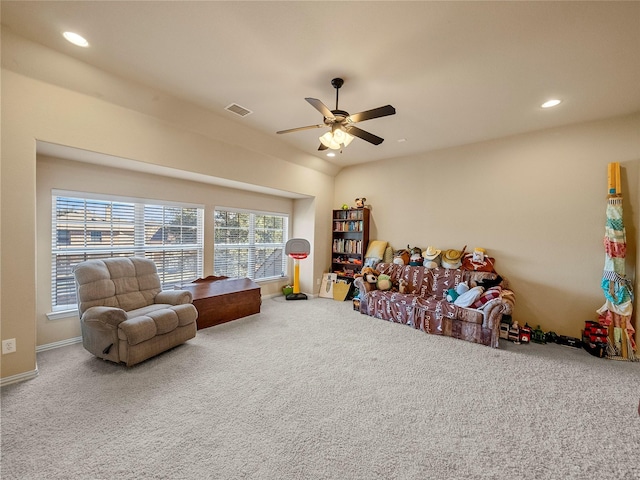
249, 244
85, 228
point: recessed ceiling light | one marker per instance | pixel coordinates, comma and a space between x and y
551, 103
76, 39
331, 154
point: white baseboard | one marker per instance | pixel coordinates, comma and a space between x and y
61, 343
20, 377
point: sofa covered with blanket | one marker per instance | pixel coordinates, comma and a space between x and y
424, 304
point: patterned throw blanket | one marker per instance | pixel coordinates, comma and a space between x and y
423, 302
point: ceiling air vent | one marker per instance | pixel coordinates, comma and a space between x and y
238, 110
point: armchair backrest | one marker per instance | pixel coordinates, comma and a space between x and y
124, 282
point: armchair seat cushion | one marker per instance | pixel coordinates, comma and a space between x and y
185, 313
137, 330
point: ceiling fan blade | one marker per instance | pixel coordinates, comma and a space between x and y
373, 113
322, 147
369, 137
302, 128
321, 107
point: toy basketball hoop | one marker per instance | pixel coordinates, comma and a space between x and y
298, 249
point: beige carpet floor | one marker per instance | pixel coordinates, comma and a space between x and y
313, 390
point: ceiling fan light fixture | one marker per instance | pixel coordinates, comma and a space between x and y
342, 131
336, 140
341, 136
328, 141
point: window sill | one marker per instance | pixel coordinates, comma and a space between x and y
273, 280
62, 314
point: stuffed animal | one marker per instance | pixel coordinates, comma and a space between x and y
370, 275
454, 293
431, 257
384, 282
415, 259
360, 202
453, 258
402, 285
401, 257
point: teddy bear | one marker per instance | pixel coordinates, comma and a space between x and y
402, 285
384, 282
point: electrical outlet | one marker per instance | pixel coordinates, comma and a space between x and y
9, 345
317, 281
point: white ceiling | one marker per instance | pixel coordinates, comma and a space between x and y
456, 72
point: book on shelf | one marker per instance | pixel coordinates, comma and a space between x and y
341, 245
343, 226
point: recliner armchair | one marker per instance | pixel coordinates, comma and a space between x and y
125, 317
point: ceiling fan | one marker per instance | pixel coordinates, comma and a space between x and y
341, 123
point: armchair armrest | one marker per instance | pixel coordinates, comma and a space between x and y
174, 297
108, 315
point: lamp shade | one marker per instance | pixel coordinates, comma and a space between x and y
336, 139
328, 141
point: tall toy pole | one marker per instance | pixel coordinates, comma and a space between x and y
298, 249
296, 276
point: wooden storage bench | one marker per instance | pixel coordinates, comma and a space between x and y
222, 299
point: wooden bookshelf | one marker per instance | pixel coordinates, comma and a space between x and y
350, 240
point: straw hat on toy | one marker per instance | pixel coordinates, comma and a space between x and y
453, 258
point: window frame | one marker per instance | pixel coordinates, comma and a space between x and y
141, 225
251, 245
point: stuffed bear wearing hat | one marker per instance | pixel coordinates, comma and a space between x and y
431, 257
453, 258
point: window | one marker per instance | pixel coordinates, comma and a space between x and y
249, 244
100, 227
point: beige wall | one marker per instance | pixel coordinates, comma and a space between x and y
34, 110
536, 202
56, 173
